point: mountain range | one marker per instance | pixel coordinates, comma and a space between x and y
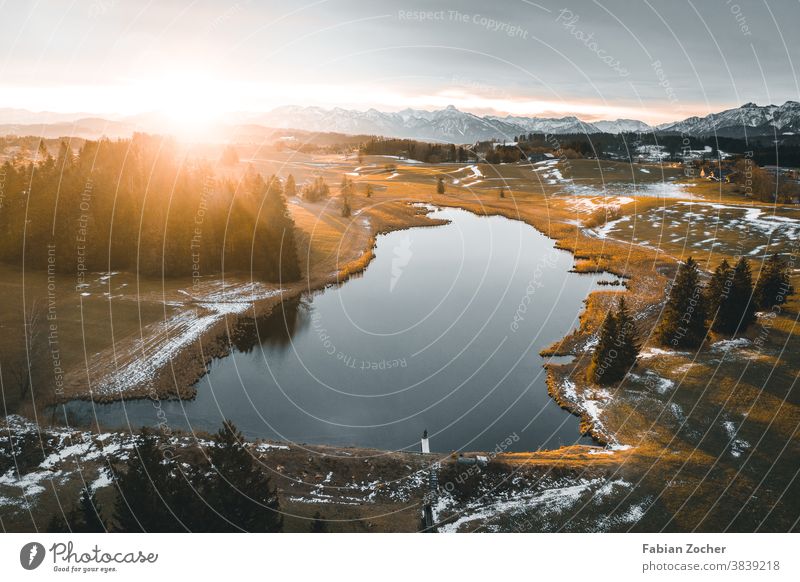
445, 125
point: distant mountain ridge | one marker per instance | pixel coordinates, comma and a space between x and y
452, 125
748, 120
444, 125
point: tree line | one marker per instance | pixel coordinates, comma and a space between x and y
224, 490
135, 205
726, 305
432, 153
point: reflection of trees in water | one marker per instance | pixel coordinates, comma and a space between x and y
272, 331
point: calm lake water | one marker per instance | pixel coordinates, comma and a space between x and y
442, 332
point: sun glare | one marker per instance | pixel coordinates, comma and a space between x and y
190, 103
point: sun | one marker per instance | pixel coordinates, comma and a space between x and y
190, 102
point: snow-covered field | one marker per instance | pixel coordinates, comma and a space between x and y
549, 506
660, 189
735, 230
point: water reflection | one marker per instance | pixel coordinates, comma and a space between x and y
273, 331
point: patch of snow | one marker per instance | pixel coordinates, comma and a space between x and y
104, 480
738, 446
730, 344
555, 499
264, 447
648, 353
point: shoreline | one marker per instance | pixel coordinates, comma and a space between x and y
191, 362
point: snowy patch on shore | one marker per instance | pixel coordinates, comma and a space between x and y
590, 403
139, 363
550, 502
557, 499
648, 353
67, 452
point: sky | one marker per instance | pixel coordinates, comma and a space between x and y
654, 60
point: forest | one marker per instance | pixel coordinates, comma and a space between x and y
763, 151
135, 204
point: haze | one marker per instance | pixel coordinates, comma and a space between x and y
654, 61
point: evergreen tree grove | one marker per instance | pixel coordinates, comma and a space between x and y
241, 492
134, 205
85, 517
717, 291
773, 286
221, 490
730, 295
617, 347
683, 321
143, 500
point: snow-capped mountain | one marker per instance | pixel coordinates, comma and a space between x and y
748, 120
452, 125
448, 124
445, 125
623, 126
547, 124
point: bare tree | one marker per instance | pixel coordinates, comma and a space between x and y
23, 366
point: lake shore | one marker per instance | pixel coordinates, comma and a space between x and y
199, 330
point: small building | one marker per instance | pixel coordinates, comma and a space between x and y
425, 444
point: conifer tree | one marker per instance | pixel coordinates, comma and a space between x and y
65, 159
773, 286
90, 513
83, 518
627, 342
743, 310
290, 189
142, 502
717, 291
345, 186
42, 151
240, 491
730, 294
617, 347
683, 320
603, 359
281, 247
319, 525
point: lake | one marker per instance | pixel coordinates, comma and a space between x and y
441, 332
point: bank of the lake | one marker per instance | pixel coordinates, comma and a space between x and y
441, 332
